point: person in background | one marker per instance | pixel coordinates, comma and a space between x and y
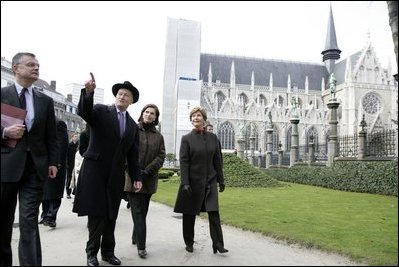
200, 172
72, 148
25, 167
54, 188
151, 159
113, 147
209, 127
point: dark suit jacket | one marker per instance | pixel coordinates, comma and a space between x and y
201, 168
101, 179
41, 139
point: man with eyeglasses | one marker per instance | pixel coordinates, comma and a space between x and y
25, 167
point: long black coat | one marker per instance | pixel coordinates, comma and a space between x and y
201, 168
54, 188
101, 179
84, 141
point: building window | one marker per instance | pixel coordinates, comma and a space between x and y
371, 103
226, 135
288, 140
275, 139
219, 99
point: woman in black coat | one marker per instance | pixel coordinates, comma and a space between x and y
53, 189
200, 171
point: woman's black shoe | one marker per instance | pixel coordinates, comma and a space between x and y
190, 248
220, 249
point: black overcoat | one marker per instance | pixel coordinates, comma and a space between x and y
54, 187
201, 168
101, 179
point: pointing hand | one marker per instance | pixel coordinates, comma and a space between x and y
90, 85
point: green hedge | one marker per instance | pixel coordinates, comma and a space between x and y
239, 173
165, 173
376, 177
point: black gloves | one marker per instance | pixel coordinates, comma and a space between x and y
221, 187
143, 175
187, 190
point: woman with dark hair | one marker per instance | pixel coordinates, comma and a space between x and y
151, 159
200, 172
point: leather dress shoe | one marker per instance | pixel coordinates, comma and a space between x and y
142, 253
52, 224
112, 259
219, 249
190, 248
92, 261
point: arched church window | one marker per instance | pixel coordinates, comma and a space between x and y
219, 100
299, 105
288, 139
275, 139
280, 100
262, 100
255, 133
371, 103
311, 137
243, 99
226, 135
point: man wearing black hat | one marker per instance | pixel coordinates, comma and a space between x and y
114, 142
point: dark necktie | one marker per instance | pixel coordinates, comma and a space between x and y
22, 98
121, 123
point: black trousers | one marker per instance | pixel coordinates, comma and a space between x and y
139, 204
68, 184
215, 228
101, 235
50, 209
30, 192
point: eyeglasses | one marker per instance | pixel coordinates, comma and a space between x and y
30, 64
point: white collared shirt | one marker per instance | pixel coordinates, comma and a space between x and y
30, 115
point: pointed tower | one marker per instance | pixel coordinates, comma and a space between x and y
271, 82
331, 52
253, 81
348, 71
232, 76
210, 74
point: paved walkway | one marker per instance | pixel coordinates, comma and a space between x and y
65, 244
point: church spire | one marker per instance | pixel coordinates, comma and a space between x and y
253, 81
331, 51
232, 76
210, 74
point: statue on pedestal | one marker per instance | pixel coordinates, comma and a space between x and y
332, 84
269, 120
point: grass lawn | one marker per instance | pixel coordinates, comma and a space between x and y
361, 226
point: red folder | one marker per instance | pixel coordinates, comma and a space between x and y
11, 115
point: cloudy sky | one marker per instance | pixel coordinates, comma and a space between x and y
120, 41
